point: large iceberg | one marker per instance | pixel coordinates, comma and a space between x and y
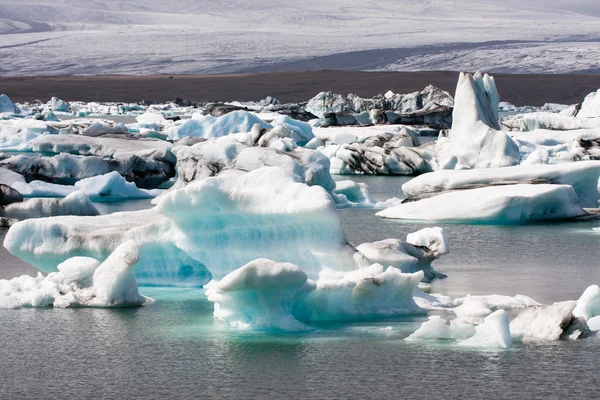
476, 139
582, 176
216, 224
494, 205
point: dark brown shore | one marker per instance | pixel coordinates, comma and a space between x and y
286, 86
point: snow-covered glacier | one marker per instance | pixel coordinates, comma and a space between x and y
540, 39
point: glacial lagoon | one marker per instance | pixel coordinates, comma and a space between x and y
174, 347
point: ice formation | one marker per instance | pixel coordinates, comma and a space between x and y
207, 126
416, 254
80, 281
262, 213
543, 322
6, 105
267, 295
510, 204
588, 305
101, 188
582, 176
381, 152
493, 332
431, 106
76, 203
476, 139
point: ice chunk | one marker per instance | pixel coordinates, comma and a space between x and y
8, 195
594, 323
268, 295
76, 203
583, 176
367, 293
110, 187
427, 245
437, 328
78, 268
210, 227
80, 281
109, 147
476, 139
6, 105
8, 177
207, 126
114, 280
493, 332
43, 189
588, 305
543, 322
432, 238
473, 310
59, 105
259, 295
511, 204
590, 108
434, 328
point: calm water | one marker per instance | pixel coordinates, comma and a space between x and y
174, 349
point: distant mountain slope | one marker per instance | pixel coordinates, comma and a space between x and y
186, 36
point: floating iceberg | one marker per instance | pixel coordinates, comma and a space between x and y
511, 204
476, 139
582, 176
416, 254
146, 172
207, 126
267, 295
76, 203
6, 105
110, 187
493, 332
80, 281
543, 322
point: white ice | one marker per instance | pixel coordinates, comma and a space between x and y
76, 203
80, 281
510, 204
583, 176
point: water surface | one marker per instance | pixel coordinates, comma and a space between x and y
173, 348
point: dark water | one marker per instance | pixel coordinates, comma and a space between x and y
173, 348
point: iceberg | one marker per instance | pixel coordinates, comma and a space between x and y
109, 147
543, 322
582, 176
76, 203
6, 105
493, 332
510, 204
111, 187
146, 172
272, 296
590, 108
588, 305
260, 295
206, 229
80, 281
9, 195
476, 139
207, 126
416, 254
